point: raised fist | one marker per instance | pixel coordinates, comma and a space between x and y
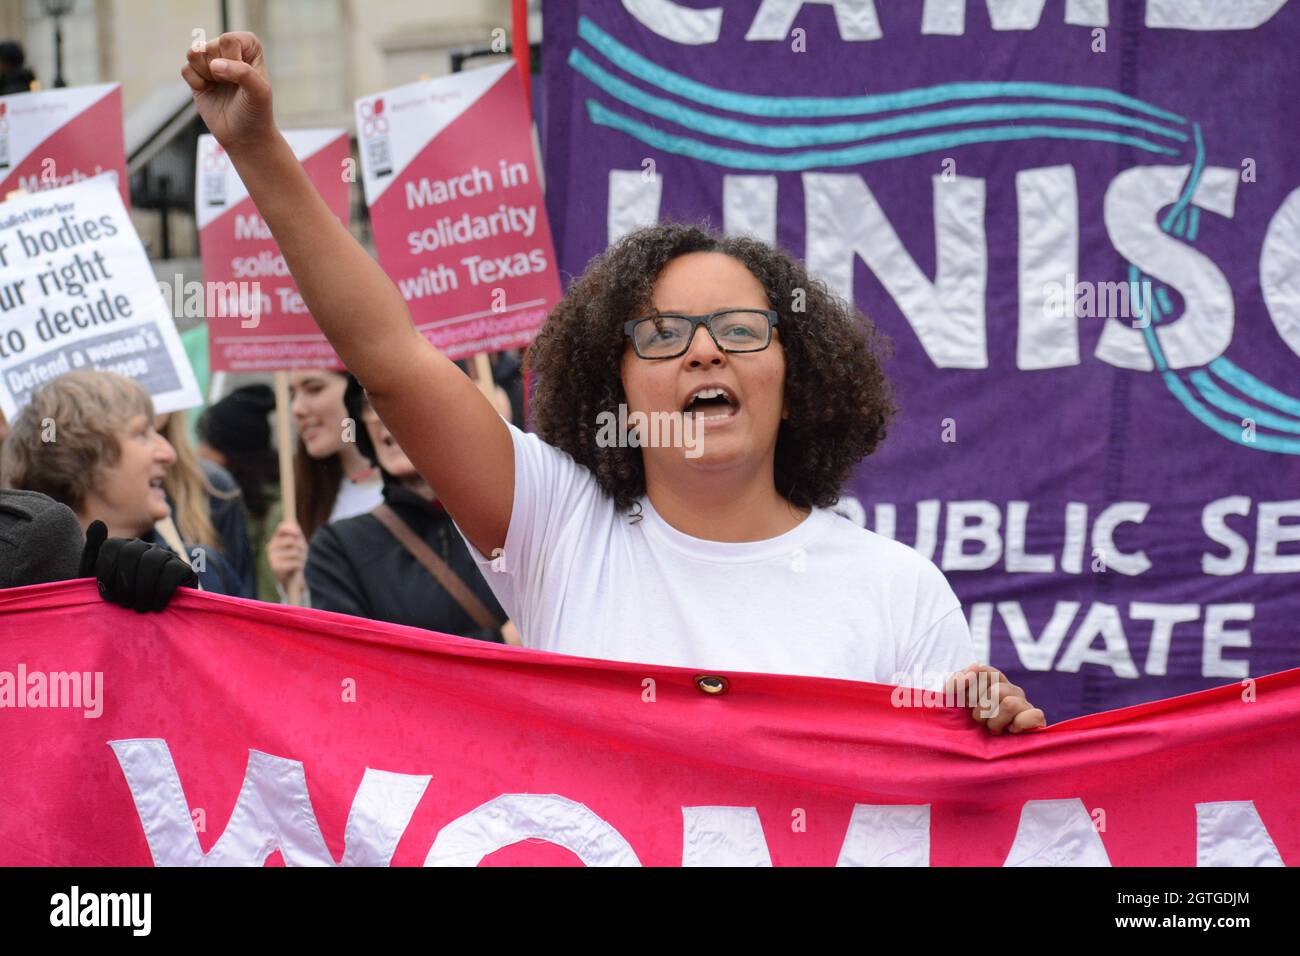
233, 95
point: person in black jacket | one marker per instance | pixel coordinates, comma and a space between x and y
356, 566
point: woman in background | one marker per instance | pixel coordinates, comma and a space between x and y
361, 566
331, 478
87, 439
205, 504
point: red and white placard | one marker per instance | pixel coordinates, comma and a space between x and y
451, 181
54, 138
243, 266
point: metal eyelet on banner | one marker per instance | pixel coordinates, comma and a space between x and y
712, 684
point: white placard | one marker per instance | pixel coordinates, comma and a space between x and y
77, 291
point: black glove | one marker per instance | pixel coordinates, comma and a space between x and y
131, 572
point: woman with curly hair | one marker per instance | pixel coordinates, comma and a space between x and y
718, 555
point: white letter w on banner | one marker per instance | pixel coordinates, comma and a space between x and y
273, 812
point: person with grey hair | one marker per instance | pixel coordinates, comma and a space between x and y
85, 450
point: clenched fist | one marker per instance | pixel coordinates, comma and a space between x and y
233, 95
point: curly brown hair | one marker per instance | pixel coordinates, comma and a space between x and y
839, 398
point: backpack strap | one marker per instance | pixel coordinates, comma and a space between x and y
438, 568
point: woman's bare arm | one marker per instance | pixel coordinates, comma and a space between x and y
442, 420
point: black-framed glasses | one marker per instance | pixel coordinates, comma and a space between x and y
668, 335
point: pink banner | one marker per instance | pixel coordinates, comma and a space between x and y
227, 732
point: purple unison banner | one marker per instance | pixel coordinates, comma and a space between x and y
1079, 223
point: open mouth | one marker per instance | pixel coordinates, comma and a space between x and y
712, 402
156, 484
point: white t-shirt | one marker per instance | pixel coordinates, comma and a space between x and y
357, 498
826, 599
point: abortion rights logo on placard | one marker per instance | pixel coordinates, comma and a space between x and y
77, 291
459, 225
257, 320
55, 138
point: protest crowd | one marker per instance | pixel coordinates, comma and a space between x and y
369, 535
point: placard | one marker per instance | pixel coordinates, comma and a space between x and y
257, 320
55, 138
451, 182
77, 291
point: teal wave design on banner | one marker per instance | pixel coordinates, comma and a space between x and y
795, 135
805, 107
853, 155
1199, 391
785, 148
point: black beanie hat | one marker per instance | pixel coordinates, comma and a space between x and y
40, 539
238, 423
